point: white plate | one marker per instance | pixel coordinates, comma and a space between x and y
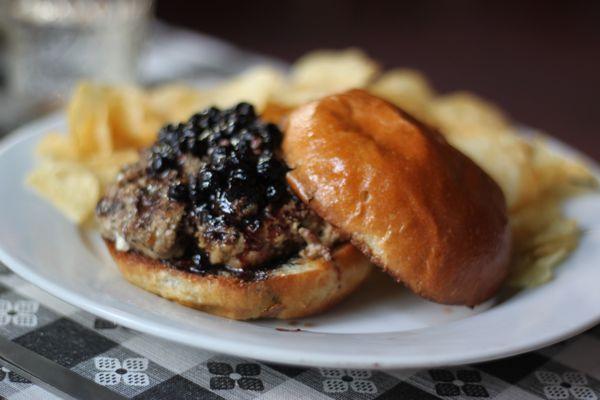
381, 326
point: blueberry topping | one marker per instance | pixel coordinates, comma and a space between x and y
252, 225
209, 181
198, 259
239, 172
178, 192
274, 193
245, 110
270, 168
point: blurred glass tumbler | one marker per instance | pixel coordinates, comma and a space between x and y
54, 43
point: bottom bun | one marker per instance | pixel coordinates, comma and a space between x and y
296, 289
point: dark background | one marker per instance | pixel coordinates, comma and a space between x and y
539, 60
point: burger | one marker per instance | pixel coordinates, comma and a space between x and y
245, 218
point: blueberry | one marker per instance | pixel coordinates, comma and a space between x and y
216, 222
233, 126
205, 119
199, 210
202, 124
198, 259
271, 137
196, 193
159, 163
156, 163
240, 183
212, 114
191, 145
242, 149
270, 168
238, 175
218, 158
168, 134
164, 150
246, 110
246, 135
225, 203
195, 119
272, 192
214, 138
252, 225
208, 181
178, 192
195, 146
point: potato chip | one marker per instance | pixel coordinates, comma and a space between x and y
333, 70
542, 238
556, 173
68, 186
505, 157
255, 86
406, 88
525, 168
57, 146
172, 103
324, 72
482, 132
126, 116
88, 120
464, 113
107, 167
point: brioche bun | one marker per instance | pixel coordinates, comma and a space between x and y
421, 210
300, 288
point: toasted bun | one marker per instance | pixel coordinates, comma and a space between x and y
422, 210
293, 290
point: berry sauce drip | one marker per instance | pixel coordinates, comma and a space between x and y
240, 176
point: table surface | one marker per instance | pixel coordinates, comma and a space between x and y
138, 366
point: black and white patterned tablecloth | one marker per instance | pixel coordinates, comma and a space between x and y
138, 366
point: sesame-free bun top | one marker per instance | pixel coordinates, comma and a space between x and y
421, 210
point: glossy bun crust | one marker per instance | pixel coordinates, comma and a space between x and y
293, 290
421, 210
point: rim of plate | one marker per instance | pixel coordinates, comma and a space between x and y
289, 355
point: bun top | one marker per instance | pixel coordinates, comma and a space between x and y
421, 210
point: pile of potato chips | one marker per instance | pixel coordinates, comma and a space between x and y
109, 124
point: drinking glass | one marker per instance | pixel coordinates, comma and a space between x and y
52, 44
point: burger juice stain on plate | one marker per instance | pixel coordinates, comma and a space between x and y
379, 305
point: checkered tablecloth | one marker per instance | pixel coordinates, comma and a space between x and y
138, 366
